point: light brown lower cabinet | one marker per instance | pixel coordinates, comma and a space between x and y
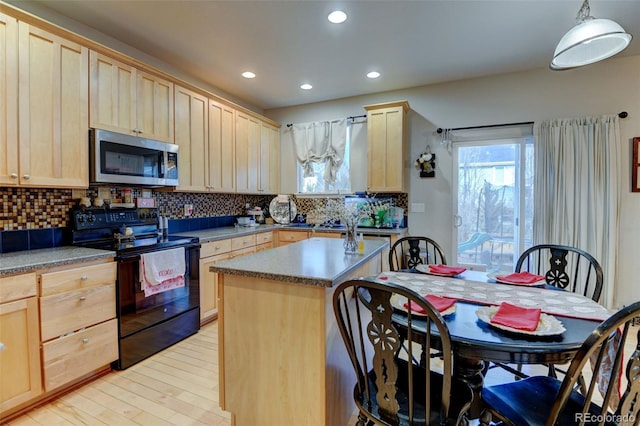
20, 377
218, 251
79, 332
74, 355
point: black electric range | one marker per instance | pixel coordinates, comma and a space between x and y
150, 323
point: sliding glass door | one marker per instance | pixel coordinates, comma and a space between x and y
493, 202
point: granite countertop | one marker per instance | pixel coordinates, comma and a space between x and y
315, 261
214, 234
30, 260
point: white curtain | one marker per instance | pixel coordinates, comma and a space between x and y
577, 188
320, 142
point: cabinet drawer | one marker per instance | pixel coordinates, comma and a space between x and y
17, 287
328, 235
242, 252
215, 247
72, 356
292, 236
77, 278
73, 310
264, 237
243, 242
263, 247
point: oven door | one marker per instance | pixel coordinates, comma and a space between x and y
137, 312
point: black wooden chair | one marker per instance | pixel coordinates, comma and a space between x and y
391, 388
565, 267
544, 400
409, 252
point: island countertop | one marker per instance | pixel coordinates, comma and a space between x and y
315, 261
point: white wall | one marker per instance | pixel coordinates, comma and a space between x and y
608, 87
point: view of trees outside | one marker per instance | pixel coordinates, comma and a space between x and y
488, 204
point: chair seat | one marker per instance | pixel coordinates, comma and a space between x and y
528, 402
460, 390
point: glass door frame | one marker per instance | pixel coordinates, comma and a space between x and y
519, 199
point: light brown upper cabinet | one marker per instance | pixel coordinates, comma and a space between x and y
222, 144
52, 111
131, 101
269, 182
8, 101
386, 146
192, 136
247, 153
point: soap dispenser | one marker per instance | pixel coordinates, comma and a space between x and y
361, 244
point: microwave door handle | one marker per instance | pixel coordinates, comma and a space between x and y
163, 165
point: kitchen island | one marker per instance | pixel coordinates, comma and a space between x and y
282, 359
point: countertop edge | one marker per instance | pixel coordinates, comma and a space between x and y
32, 260
217, 234
300, 279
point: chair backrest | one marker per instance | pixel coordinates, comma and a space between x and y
564, 267
391, 385
408, 252
604, 348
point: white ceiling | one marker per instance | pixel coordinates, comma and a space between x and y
287, 43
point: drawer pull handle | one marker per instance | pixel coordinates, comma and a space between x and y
2, 347
85, 340
84, 278
83, 297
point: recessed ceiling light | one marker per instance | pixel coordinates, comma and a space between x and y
337, 17
373, 74
306, 86
248, 74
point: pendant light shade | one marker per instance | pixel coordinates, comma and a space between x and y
591, 40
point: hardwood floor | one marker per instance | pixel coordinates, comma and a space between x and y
178, 386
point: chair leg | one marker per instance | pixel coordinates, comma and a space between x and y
362, 420
485, 418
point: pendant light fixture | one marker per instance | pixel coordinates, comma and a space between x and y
591, 40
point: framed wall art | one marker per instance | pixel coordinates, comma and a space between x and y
635, 166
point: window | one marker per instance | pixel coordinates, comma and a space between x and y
493, 199
316, 183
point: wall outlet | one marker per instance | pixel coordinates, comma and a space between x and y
188, 209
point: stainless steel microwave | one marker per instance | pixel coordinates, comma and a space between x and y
117, 158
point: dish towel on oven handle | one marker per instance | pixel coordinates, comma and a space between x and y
162, 270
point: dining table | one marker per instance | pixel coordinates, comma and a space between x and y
476, 341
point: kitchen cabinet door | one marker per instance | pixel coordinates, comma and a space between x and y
53, 110
386, 147
131, 101
113, 94
269, 159
20, 380
8, 100
209, 287
222, 144
192, 135
154, 102
247, 153
19, 341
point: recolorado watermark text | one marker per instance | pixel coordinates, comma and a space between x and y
607, 417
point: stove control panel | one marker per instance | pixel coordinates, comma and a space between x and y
84, 219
